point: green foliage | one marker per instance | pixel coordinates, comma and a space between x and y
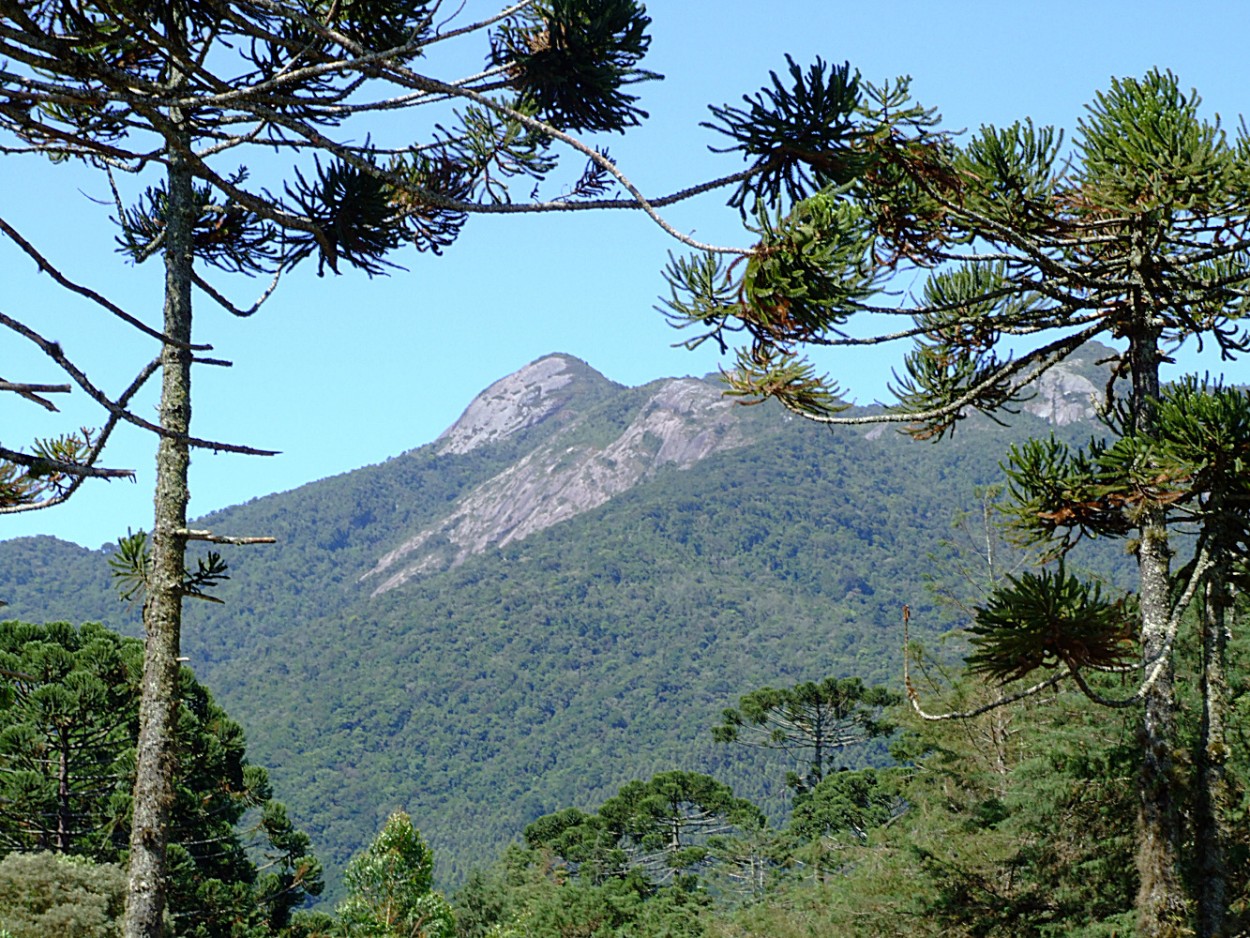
1144, 149
668, 829
44, 894
47, 473
66, 730
1059, 241
846, 803
821, 719
350, 206
800, 137
1050, 618
572, 58
1008, 824
389, 887
67, 735
131, 565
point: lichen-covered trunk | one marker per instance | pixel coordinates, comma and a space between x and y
64, 820
162, 609
1161, 904
1161, 897
1211, 797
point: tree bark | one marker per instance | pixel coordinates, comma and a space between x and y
63, 817
1211, 798
1161, 897
1161, 905
162, 608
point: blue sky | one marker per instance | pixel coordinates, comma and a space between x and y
345, 371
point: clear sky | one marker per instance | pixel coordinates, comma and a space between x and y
341, 372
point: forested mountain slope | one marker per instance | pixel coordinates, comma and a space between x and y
560, 594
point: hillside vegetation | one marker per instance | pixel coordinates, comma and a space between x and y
499, 684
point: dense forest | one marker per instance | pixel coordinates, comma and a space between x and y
1015, 822
637, 663
551, 671
560, 672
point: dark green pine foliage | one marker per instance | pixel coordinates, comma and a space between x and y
648, 863
67, 712
813, 722
465, 696
67, 733
668, 828
1139, 232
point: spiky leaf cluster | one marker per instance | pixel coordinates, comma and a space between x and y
1144, 148
1193, 465
490, 150
91, 84
227, 236
1048, 619
1010, 173
46, 474
1060, 495
799, 137
572, 59
1203, 448
352, 209
806, 276
379, 25
808, 271
131, 563
428, 224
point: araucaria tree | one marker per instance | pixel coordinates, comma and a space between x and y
1136, 233
246, 136
813, 721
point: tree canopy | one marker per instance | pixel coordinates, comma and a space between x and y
67, 746
1025, 250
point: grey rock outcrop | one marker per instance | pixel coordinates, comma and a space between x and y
522, 399
682, 421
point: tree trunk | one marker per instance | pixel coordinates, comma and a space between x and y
1210, 832
162, 608
63, 816
1161, 905
1161, 897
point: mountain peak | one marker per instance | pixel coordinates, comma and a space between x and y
522, 399
583, 463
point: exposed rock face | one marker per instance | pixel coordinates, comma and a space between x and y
520, 400
1064, 397
1071, 391
682, 422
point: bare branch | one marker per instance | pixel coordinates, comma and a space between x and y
47, 267
209, 536
45, 464
53, 351
31, 392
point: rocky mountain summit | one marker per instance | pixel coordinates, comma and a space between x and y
676, 422
520, 400
575, 467
1071, 391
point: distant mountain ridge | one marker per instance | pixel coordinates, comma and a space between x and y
560, 593
681, 422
